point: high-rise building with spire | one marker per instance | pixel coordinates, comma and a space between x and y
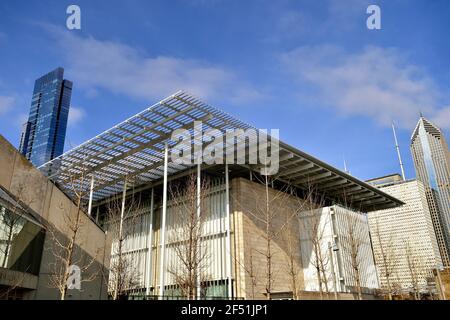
432, 163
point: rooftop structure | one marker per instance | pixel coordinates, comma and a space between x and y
134, 150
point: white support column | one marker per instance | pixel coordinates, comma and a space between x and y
122, 210
91, 194
199, 172
149, 245
228, 239
122, 213
163, 226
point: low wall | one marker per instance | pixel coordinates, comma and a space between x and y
54, 208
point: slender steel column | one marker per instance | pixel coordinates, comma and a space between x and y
122, 210
228, 240
122, 213
330, 252
149, 245
91, 193
163, 225
199, 181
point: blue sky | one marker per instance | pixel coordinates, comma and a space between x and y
310, 68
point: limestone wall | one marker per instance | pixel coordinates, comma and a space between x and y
250, 240
22, 179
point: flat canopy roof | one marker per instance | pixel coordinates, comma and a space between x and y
134, 150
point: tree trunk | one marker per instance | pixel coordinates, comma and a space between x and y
8, 244
389, 287
319, 274
358, 284
70, 251
269, 250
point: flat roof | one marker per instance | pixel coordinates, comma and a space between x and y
134, 150
392, 175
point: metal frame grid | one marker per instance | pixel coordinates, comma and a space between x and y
134, 151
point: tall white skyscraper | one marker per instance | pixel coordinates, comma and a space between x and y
403, 238
432, 162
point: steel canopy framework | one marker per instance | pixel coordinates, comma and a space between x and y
134, 151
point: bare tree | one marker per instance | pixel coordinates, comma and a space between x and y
353, 245
12, 220
292, 257
313, 229
274, 212
250, 269
121, 216
386, 256
397, 288
248, 265
189, 210
269, 210
416, 267
11, 224
65, 243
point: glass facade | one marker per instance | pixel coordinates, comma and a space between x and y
430, 154
44, 133
21, 239
428, 159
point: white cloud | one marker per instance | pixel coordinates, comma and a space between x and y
6, 103
75, 115
376, 83
334, 18
442, 118
121, 69
290, 24
21, 118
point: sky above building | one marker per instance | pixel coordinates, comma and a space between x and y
309, 68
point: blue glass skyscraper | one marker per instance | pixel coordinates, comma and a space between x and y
44, 133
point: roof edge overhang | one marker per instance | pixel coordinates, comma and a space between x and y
135, 147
